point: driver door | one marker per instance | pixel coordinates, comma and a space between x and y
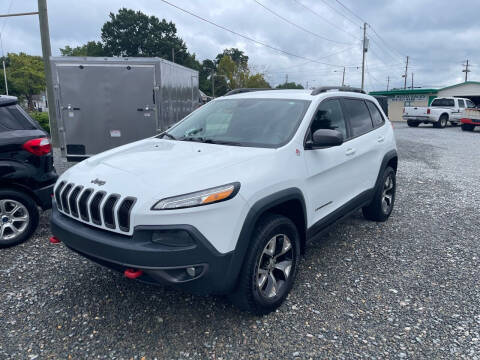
329, 182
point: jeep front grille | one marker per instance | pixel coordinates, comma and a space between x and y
94, 207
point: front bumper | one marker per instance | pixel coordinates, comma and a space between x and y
159, 263
470, 121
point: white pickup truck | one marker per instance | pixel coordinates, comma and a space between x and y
440, 111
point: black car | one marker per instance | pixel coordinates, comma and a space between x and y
27, 174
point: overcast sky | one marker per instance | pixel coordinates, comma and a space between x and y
438, 35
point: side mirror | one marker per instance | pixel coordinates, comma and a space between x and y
323, 138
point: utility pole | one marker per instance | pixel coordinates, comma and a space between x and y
5, 78
173, 55
286, 79
47, 52
307, 85
405, 75
213, 83
412, 80
466, 71
364, 51
388, 82
343, 77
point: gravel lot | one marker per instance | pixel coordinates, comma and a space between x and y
408, 288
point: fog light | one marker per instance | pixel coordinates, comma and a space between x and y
191, 271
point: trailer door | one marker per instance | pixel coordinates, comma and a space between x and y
105, 105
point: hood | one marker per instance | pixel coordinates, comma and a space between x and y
165, 167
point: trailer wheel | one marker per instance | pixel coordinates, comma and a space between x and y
468, 127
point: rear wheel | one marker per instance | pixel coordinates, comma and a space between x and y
468, 127
384, 198
412, 123
18, 217
442, 122
270, 266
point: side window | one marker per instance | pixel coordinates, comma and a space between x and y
470, 104
377, 118
329, 116
358, 115
461, 103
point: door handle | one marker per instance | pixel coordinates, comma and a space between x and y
350, 152
380, 139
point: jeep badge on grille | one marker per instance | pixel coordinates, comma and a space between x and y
98, 182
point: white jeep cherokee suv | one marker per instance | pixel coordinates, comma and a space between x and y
224, 201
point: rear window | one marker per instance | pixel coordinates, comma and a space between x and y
443, 103
359, 116
14, 118
461, 103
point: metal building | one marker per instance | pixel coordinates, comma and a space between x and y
102, 103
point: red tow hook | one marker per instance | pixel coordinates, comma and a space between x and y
54, 240
133, 273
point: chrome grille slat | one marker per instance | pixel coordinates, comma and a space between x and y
72, 200
64, 197
95, 211
96, 208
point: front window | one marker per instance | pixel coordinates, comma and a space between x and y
242, 122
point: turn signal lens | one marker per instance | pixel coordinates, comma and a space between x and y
198, 198
39, 147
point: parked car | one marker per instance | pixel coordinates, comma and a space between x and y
471, 119
27, 174
439, 113
224, 201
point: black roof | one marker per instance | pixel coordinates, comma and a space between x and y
7, 100
323, 89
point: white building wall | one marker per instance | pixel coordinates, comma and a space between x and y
460, 90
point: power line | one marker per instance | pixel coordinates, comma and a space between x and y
3, 27
341, 14
308, 62
298, 26
387, 46
326, 20
350, 11
247, 37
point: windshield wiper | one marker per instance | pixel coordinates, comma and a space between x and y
170, 136
222, 142
192, 138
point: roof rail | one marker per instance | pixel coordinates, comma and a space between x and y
323, 89
244, 90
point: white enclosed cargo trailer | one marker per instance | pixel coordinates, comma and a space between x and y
102, 103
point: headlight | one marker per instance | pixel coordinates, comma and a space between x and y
199, 198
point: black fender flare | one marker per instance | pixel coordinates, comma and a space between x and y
392, 154
254, 214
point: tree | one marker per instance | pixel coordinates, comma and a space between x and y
236, 55
289, 85
91, 48
25, 75
239, 75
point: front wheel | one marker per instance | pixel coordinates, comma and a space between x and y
18, 217
270, 266
384, 198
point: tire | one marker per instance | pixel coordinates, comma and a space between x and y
254, 290
468, 127
384, 198
15, 232
442, 122
412, 123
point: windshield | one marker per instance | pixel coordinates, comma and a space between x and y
242, 122
443, 102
